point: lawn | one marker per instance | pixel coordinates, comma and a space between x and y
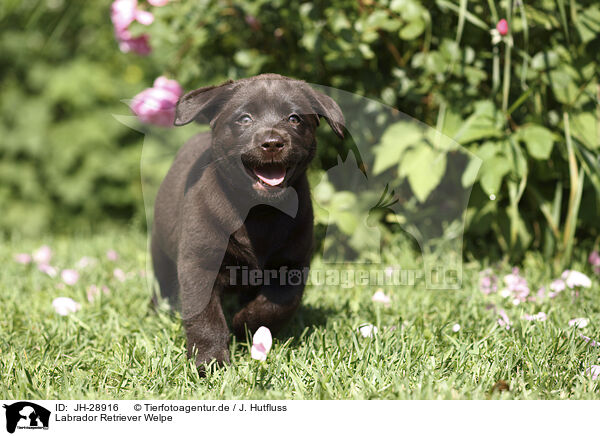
119, 347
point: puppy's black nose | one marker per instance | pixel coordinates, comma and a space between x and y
273, 144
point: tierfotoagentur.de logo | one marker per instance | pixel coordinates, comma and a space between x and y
24, 415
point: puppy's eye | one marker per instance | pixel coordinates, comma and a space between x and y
294, 119
244, 120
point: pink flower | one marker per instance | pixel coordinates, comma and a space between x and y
50, 270
502, 27
158, 3
64, 305
69, 276
540, 316
594, 258
85, 261
123, 13
380, 297
504, 321
93, 291
367, 330
456, 328
42, 255
156, 105
593, 371
516, 286
261, 344
112, 255
119, 274
139, 44
23, 258
589, 340
488, 282
579, 322
558, 285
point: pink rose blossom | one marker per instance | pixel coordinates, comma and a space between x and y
23, 258
112, 255
502, 27
261, 344
123, 13
158, 3
594, 258
138, 44
156, 105
69, 276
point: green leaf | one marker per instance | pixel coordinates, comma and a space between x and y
538, 140
493, 171
588, 23
584, 127
564, 88
424, 168
412, 30
469, 176
396, 139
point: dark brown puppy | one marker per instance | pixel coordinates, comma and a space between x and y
239, 197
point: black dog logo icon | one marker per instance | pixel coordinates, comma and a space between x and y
26, 415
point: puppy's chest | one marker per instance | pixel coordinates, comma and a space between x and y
260, 240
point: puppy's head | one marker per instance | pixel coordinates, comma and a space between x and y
263, 129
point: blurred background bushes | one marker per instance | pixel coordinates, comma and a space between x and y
526, 103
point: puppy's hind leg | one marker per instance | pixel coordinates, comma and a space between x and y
165, 271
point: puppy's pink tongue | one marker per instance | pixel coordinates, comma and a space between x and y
272, 175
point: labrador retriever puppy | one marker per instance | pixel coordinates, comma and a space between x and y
236, 201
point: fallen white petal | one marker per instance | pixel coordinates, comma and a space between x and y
575, 278
579, 322
380, 297
261, 343
367, 330
455, 328
65, 305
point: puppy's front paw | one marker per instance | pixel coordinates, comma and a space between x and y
204, 359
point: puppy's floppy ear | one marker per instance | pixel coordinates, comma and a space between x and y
202, 104
327, 108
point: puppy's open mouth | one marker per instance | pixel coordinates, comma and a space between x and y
270, 175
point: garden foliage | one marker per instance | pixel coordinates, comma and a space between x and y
523, 98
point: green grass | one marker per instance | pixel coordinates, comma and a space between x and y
119, 348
